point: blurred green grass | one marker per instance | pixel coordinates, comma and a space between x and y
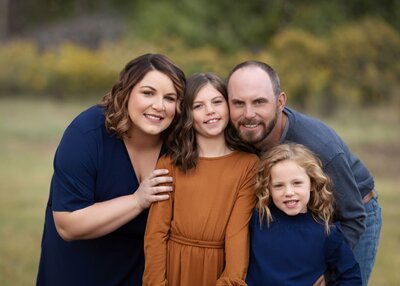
31, 128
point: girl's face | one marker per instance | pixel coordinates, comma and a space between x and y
152, 104
290, 187
210, 112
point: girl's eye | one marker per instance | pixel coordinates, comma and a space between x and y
196, 106
147, 92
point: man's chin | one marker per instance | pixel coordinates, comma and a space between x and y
250, 137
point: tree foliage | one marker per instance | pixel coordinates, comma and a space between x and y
226, 25
327, 53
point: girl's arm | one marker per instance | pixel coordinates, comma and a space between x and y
341, 260
156, 238
104, 217
237, 235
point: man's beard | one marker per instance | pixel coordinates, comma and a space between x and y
254, 138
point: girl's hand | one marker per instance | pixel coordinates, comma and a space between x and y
320, 281
150, 189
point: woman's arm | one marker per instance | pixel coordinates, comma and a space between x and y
104, 217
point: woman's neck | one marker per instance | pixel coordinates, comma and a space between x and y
144, 150
142, 141
212, 147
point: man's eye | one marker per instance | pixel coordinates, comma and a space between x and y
238, 104
259, 102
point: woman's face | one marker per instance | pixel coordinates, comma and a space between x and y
210, 112
152, 104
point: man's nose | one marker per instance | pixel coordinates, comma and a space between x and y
249, 112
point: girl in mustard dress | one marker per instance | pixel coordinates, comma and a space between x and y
200, 235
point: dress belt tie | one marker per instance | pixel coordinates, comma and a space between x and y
196, 242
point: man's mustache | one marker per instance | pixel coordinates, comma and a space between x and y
249, 122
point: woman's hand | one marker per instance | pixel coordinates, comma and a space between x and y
104, 217
153, 188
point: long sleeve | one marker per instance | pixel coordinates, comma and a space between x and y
350, 211
155, 239
237, 234
351, 179
340, 258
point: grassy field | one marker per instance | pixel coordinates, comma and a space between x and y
30, 130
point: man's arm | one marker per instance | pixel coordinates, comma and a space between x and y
349, 209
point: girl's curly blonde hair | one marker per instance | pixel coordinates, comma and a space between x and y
321, 197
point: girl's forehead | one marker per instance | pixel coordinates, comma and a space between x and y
287, 166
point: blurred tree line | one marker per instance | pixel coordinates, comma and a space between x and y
328, 53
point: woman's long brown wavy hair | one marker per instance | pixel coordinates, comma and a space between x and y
321, 198
182, 144
115, 102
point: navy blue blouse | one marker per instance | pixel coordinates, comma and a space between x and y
294, 250
91, 165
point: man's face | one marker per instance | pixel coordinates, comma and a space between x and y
253, 106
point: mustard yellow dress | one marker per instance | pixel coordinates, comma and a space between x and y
199, 237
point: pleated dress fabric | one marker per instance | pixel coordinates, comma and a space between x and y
199, 237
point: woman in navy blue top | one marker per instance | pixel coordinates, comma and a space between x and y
293, 241
104, 182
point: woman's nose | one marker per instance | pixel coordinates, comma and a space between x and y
158, 104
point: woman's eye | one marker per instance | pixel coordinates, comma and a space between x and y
196, 106
147, 93
170, 98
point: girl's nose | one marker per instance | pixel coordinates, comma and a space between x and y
209, 109
289, 191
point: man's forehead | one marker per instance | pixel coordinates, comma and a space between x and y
250, 87
248, 71
248, 97
249, 77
